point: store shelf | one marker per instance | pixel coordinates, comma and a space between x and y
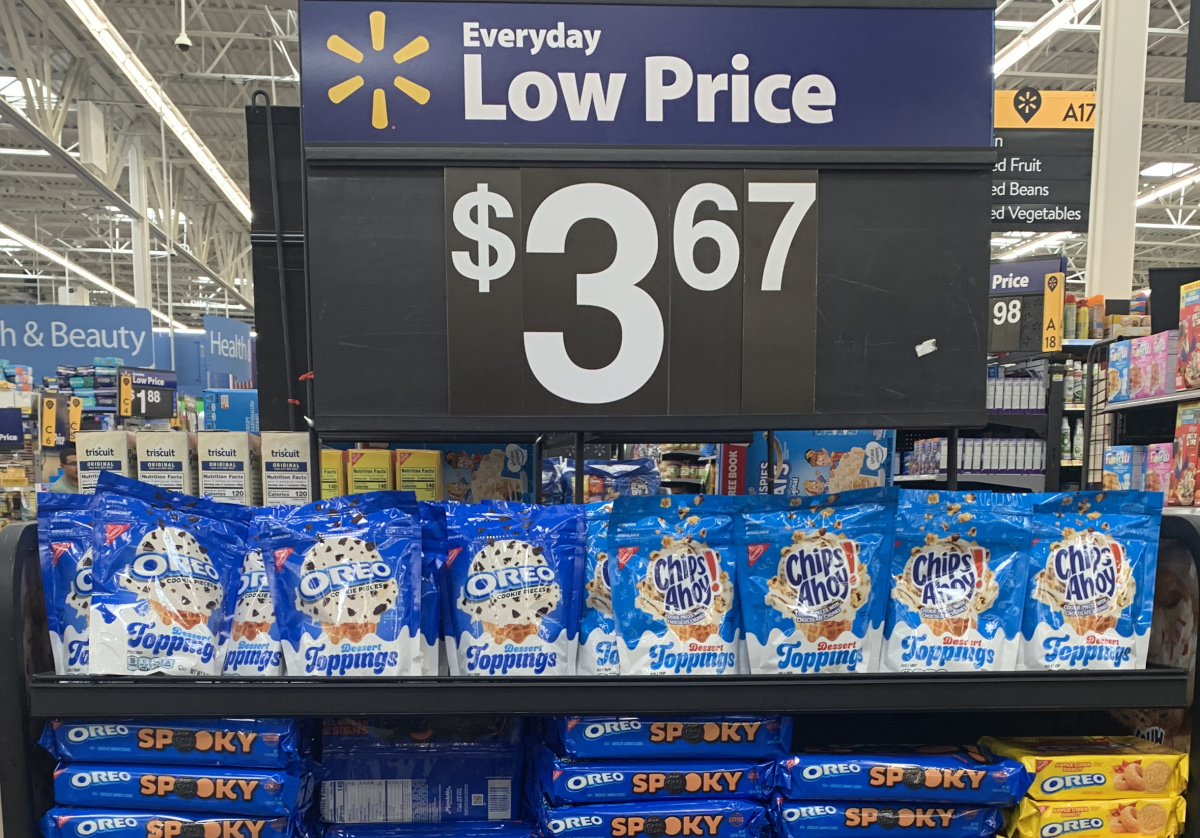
669, 454
1031, 482
1036, 422
1074, 408
57, 697
1169, 398
687, 481
1080, 343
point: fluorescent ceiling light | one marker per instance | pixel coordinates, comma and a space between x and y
1033, 37
1170, 187
1035, 244
30, 244
1150, 225
96, 22
1166, 169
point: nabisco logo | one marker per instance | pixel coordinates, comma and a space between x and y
754, 552
57, 548
624, 554
281, 556
113, 531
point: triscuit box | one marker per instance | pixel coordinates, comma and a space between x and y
229, 466
286, 468
167, 459
1154, 818
231, 410
1095, 767
418, 471
333, 473
368, 470
99, 451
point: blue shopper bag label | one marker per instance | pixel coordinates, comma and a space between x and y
65, 552
258, 743
813, 581
659, 819
720, 737
828, 818
511, 586
345, 576
1091, 583
958, 582
164, 586
253, 647
673, 589
70, 822
598, 642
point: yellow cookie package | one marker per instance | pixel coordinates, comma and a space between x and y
1096, 767
1152, 817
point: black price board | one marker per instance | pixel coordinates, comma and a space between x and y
618, 291
149, 394
1017, 304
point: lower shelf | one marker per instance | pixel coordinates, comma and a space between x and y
53, 696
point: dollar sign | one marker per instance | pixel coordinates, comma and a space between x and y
483, 269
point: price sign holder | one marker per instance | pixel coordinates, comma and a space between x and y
59, 420
1025, 306
146, 393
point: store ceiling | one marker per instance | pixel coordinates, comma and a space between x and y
239, 47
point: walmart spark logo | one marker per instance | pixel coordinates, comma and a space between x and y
339, 92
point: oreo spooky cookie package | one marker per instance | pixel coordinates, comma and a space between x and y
65, 551
705, 737
345, 576
813, 581
71, 822
1091, 580
673, 585
958, 582
730, 818
831, 817
599, 646
163, 582
511, 585
259, 743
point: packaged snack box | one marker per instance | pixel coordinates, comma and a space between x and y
1124, 467
1185, 457
1187, 369
72, 822
1141, 353
333, 474
368, 470
795, 819
1091, 580
1162, 816
420, 472
1161, 371
958, 582
568, 782
613, 737
1158, 468
237, 743
813, 580
660, 819
1096, 767
1118, 371
971, 775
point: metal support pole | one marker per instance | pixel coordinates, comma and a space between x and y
1116, 153
952, 460
771, 463
580, 477
139, 224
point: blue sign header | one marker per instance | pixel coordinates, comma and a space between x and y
1028, 277
44, 337
227, 346
653, 75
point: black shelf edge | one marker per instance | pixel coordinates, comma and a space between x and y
1037, 422
60, 697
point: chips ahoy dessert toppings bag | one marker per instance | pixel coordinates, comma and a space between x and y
802, 820
253, 647
813, 580
958, 582
598, 641
659, 819
1091, 580
259, 743
511, 586
345, 575
719, 737
163, 586
929, 774
673, 585
65, 551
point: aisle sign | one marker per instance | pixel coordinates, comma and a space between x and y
1043, 175
227, 347
1024, 298
59, 419
45, 337
149, 394
643, 75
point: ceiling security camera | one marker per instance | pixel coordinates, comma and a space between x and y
183, 42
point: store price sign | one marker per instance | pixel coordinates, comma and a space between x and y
620, 290
1025, 306
59, 419
149, 394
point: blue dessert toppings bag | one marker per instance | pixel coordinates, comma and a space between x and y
345, 576
721, 737
673, 587
802, 820
66, 556
813, 580
257, 743
958, 582
511, 588
598, 641
254, 647
1091, 582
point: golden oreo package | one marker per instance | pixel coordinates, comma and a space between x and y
1096, 767
1157, 817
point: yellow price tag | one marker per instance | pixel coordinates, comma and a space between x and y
1052, 312
49, 414
125, 396
74, 415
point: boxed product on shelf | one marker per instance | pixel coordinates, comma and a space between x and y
568, 782
1155, 818
98, 451
1185, 456
1158, 468
73, 822
1187, 369
1126, 325
229, 466
333, 473
728, 818
611, 479
419, 471
1124, 467
474, 473
1153, 364
233, 743
368, 470
1118, 371
231, 410
286, 468
168, 459
732, 736
818, 819
816, 462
